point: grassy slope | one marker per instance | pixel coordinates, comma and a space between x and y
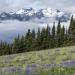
40, 58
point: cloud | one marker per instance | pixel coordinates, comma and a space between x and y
12, 5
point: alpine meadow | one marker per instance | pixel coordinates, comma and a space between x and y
37, 37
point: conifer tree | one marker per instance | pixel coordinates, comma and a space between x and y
53, 36
16, 45
43, 38
48, 37
62, 35
72, 31
66, 41
58, 38
38, 39
33, 35
28, 41
71, 25
22, 45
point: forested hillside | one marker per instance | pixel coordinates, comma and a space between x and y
46, 38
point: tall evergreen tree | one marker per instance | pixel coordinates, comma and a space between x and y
43, 38
66, 41
48, 37
58, 38
22, 45
28, 40
71, 25
16, 45
33, 35
53, 36
38, 39
72, 31
62, 35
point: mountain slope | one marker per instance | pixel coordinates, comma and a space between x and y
27, 14
55, 56
53, 61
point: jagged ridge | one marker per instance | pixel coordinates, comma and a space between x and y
28, 14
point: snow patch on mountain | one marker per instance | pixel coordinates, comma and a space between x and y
27, 11
30, 14
48, 12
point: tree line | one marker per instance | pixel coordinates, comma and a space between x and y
45, 38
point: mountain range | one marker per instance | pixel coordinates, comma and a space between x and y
41, 15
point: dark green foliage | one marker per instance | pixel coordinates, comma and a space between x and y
38, 40
62, 36
45, 38
58, 35
53, 36
33, 38
72, 31
16, 45
48, 37
5, 48
71, 25
28, 40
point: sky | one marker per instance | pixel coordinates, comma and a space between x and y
14, 5
9, 29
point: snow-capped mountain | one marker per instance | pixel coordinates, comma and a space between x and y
30, 14
27, 11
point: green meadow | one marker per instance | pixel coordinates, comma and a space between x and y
55, 61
